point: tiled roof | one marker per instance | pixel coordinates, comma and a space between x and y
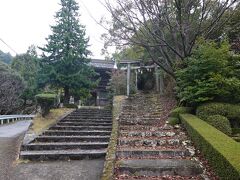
100, 63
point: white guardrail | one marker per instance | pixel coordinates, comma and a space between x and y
5, 119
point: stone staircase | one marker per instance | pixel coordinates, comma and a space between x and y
83, 134
148, 148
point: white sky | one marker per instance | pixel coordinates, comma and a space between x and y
26, 22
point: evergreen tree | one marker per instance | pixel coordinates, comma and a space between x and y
64, 62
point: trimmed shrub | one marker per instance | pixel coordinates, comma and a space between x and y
180, 110
221, 123
221, 151
173, 121
232, 112
45, 101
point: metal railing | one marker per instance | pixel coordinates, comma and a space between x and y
5, 119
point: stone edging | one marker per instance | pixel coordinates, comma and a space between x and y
110, 159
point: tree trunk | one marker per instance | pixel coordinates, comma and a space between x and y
66, 95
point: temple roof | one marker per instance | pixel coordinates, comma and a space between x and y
103, 64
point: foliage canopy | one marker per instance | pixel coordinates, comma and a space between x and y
211, 73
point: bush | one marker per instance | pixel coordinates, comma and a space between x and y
230, 111
45, 101
221, 123
221, 151
173, 121
11, 88
180, 110
211, 73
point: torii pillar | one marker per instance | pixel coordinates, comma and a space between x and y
128, 78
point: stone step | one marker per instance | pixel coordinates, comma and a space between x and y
92, 110
83, 124
143, 128
62, 154
72, 139
139, 123
79, 128
140, 153
150, 117
100, 111
86, 120
164, 133
89, 117
64, 146
76, 133
162, 167
149, 142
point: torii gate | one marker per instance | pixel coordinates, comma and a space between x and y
159, 77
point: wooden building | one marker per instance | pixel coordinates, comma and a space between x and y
100, 95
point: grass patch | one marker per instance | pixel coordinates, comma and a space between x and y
110, 160
221, 151
42, 123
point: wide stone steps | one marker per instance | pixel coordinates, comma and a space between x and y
79, 128
63, 154
72, 139
83, 124
82, 134
65, 146
76, 133
87, 120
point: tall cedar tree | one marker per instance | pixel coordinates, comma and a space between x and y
64, 62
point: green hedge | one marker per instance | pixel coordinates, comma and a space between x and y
45, 101
221, 123
222, 152
232, 112
180, 110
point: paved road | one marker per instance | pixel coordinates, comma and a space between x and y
59, 170
10, 139
14, 129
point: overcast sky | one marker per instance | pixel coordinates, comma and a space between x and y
26, 22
